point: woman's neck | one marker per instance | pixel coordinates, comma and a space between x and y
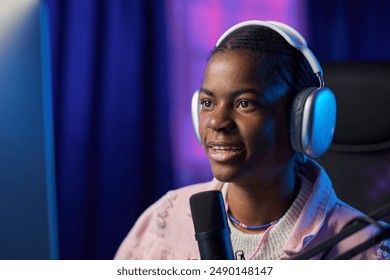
261, 202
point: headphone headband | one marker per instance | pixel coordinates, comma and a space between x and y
292, 36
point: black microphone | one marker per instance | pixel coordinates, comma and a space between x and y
211, 227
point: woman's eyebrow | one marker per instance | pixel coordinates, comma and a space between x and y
245, 90
234, 93
206, 91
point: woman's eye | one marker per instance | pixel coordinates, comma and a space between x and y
244, 104
206, 103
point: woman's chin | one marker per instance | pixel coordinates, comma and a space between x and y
225, 174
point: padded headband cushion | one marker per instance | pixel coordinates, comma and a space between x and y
292, 36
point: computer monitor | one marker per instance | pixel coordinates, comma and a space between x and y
28, 223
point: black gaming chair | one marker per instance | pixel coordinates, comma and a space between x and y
358, 161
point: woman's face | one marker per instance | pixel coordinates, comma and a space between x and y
243, 122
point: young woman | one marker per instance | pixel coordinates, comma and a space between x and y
260, 113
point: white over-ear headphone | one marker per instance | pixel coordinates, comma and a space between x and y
313, 112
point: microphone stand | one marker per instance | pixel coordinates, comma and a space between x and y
384, 234
348, 231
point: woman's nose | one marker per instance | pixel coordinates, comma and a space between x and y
221, 120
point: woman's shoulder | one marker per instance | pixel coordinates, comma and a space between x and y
165, 229
183, 194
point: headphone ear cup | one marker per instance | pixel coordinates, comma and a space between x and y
195, 109
296, 119
313, 121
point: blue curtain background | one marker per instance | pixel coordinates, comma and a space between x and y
111, 112
112, 96
349, 30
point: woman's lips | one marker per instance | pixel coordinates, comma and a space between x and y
224, 152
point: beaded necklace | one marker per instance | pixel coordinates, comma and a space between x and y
264, 226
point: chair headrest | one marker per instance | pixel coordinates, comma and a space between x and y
362, 91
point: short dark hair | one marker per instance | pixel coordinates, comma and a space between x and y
264, 43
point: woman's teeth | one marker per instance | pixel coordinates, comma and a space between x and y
226, 148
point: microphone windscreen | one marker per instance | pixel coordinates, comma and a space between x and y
208, 213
